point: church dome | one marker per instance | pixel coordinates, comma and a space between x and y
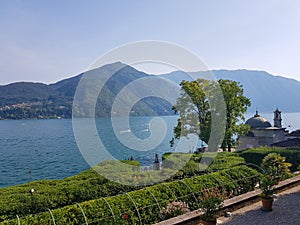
258, 122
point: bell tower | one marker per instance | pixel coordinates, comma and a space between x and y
277, 118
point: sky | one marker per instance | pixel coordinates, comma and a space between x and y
46, 41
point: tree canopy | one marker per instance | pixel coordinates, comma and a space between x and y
195, 104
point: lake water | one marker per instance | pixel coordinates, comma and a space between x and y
47, 149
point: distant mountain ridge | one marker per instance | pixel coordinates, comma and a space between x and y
24, 100
266, 91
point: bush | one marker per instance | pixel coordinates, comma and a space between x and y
275, 169
90, 185
210, 202
256, 155
145, 205
174, 209
85, 186
275, 165
196, 164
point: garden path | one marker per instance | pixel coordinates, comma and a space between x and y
286, 210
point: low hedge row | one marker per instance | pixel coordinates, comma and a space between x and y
256, 155
197, 165
90, 185
144, 206
85, 186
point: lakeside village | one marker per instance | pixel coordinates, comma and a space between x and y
24, 108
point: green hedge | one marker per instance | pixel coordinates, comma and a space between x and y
85, 186
90, 185
256, 155
144, 206
220, 161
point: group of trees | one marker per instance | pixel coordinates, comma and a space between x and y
201, 101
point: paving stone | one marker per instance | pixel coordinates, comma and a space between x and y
286, 210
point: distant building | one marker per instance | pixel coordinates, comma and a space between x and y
262, 133
291, 142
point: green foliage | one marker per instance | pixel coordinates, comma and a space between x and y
275, 164
237, 105
210, 202
198, 164
87, 185
225, 160
90, 185
132, 162
256, 155
195, 108
174, 209
267, 185
56, 100
275, 169
145, 205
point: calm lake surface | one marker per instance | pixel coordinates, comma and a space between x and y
47, 149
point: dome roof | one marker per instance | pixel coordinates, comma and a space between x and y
258, 122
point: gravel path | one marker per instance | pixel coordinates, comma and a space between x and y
286, 211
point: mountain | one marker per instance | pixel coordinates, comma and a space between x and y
266, 91
120, 76
24, 100
36, 100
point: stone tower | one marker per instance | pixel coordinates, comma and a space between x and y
277, 118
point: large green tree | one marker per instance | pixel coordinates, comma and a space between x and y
195, 104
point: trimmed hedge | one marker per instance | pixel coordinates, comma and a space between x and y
144, 206
90, 185
256, 155
221, 160
87, 185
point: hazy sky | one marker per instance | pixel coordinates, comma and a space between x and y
46, 41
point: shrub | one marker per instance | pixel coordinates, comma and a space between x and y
275, 169
211, 201
256, 155
275, 164
196, 164
145, 205
90, 185
85, 186
174, 209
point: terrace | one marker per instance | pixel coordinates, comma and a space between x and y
246, 208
